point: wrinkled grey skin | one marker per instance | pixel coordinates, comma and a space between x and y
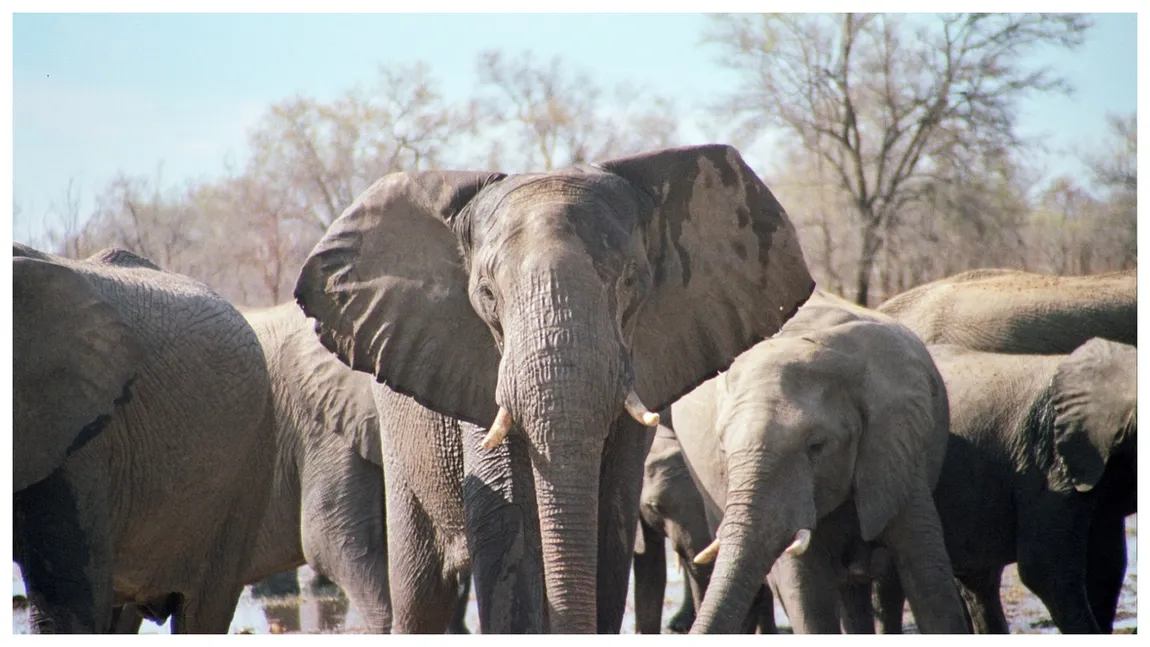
141, 443
551, 295
1042, 461
837, 421
671, 507
1010, 311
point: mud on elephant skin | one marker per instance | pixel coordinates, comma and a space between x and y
841, 415
548, 308
141, 422
1041, 468
1011, 311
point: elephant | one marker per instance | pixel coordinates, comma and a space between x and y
1041, 463
519, 328
1011, 311
327, 501
141, 443
827, 435
672, 508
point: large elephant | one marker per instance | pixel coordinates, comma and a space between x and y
141, 443
671, 507
553, 308
327, 500
1042, 462
1010, 311
829, 434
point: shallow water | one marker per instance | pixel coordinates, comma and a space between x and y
1025, 612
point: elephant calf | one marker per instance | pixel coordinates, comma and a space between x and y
1041, 468
671, 507
827, 435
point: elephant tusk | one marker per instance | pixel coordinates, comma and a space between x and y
638, 411
708, 554
499, 429
678, 562
801, 542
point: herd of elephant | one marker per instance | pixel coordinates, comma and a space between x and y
464, 390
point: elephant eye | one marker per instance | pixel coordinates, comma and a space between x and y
815, 447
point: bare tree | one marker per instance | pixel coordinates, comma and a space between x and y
561, 117
889, 102
65, 233
324, 154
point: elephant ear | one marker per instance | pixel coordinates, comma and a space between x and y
903, 411
73, 360
727, 267
388, 289
338, 398
1094, 394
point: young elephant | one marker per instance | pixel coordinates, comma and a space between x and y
1009, 311
1042, 462
840, 417
671, 507
141, 443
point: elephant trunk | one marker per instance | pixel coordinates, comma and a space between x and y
759, 523
564, 387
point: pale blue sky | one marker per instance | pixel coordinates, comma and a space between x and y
93, 94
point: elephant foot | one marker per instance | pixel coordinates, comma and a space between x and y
680, 623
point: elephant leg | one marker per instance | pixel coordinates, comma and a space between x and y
889, 601
681, 621
422, 595
1105, 567
458, 624
62, 542
503, 533
924, 569
345, 535
1052, 549
980, 592
857, 614
620, 486
651, 581
208, 612
807, 587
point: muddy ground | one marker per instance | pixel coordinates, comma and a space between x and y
334, 615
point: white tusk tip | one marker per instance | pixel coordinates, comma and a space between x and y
801, 542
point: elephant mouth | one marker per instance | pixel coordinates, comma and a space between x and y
503, 422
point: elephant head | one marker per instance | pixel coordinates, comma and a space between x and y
828, 412
552, 303
1094, 395
62, 400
